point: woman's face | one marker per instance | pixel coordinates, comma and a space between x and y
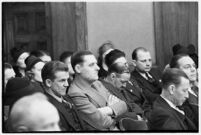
20, 61
37, 71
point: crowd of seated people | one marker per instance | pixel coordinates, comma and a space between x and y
80, 93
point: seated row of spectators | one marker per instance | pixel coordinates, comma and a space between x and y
117, 99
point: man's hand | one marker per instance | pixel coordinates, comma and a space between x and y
106, 110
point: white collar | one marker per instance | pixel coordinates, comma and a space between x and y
172, 105
192, 92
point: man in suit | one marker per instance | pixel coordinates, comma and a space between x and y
165, 114
148, 78
97, 106
186, 64
132, 91
55, 78
34, 113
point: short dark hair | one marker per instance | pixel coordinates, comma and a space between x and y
77, 57
119, 68
50, 68
39, 53
172, 76
135, 51
175, 59
112, 56
7, 66
65, 55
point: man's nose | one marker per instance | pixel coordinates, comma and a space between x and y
97, 67
187, 95
66, 83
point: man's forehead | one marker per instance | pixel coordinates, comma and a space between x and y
59, 74
185, 61
89, 58
143, 54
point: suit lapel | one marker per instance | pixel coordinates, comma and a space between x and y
165, 105
93, 95
63, 111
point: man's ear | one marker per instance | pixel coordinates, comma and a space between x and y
112, 76
22, 128
171, 89
78, 68
30, 74
134, 63
48, 83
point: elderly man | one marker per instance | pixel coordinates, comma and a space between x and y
186, 64
165, 114
55, 78
34, 113
147, 78
97, 107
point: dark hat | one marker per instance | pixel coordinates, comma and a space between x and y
16, 88
31, 61
16, 52
179, 49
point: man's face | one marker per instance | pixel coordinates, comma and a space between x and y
143, 62
181, 92
89, 68
188, 66
60, 83
121, 80
68, 63
37, 71
8, 74
20, 61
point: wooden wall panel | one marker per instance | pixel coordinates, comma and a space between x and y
175, 22
68, 26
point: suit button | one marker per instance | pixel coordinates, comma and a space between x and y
131, 90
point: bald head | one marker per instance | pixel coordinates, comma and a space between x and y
34, 113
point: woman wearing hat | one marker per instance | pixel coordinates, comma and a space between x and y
34, 66
19, 55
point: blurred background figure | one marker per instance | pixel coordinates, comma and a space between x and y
43, 55
16, 88
103, 50
8, 73
65, 57
19, 55
193, 54
33, 69
34, 113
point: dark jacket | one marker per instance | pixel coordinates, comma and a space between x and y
163, 117
69, 116
151, 90
191, 108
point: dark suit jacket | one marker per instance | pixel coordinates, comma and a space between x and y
134, 92
191, 108
163, 117
69, 117
151, 91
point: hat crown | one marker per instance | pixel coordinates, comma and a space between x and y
31, 61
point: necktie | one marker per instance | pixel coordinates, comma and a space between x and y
151, 80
